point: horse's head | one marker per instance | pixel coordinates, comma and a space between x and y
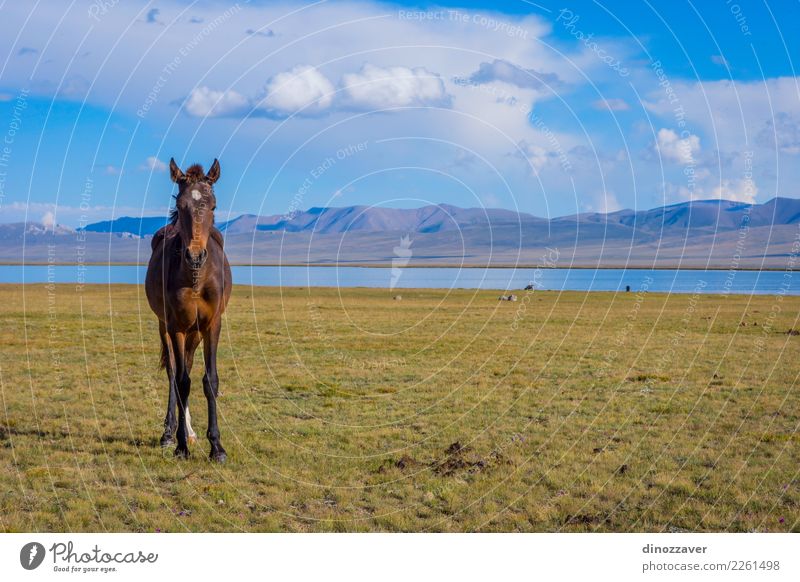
194, 208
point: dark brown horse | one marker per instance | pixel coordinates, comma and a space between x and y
188, 285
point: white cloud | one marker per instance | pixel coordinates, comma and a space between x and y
731, 113
302, 89
782, 132
48, 219
205, 102
504, 71
537, 156
153, 164
719, 60
376, 87
736, 190
603, 202
756, 117
681, 150
489, 200
611, 104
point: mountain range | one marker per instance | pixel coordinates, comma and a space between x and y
716, 215
706, 233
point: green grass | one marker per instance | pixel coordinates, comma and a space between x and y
344, 410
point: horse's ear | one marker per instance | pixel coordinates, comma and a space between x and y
174, 171
213, 172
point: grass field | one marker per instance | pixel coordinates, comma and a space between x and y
346, 410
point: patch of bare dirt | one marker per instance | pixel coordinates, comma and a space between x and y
458, 457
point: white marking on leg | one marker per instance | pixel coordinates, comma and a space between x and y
190, 434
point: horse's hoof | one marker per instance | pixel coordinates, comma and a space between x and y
182, 453
192, 440
167, 440
219, 457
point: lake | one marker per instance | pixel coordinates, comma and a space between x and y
662, 280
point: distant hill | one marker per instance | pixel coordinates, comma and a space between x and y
434, 218
143, 226
701, 214
699, 234
18, 230
712, 214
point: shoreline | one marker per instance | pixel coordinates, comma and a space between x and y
78, 288
582, 267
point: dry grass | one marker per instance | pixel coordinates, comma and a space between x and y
345, 410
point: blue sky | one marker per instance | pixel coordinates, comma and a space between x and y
549, 108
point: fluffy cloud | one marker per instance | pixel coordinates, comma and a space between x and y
265, 33
736, 190
782, 132
611, 104
153, 164
48, 219
602, 202
676, 149
506, 72
536, 156
302, 89
733, 112
375, 87
305, 91
205, 102
719, 60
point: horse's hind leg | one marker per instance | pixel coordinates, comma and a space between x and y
168, 360
211, 389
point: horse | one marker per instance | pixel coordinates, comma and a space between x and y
188, 285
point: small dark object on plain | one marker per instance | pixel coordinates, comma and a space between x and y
627, 288
455, 449
405, 461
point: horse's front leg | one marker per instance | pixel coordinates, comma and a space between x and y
168, 355
211, 389
192, 341
184, 386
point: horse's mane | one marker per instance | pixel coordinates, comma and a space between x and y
173, 212
195, 173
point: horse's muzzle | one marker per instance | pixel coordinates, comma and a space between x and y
195, 260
